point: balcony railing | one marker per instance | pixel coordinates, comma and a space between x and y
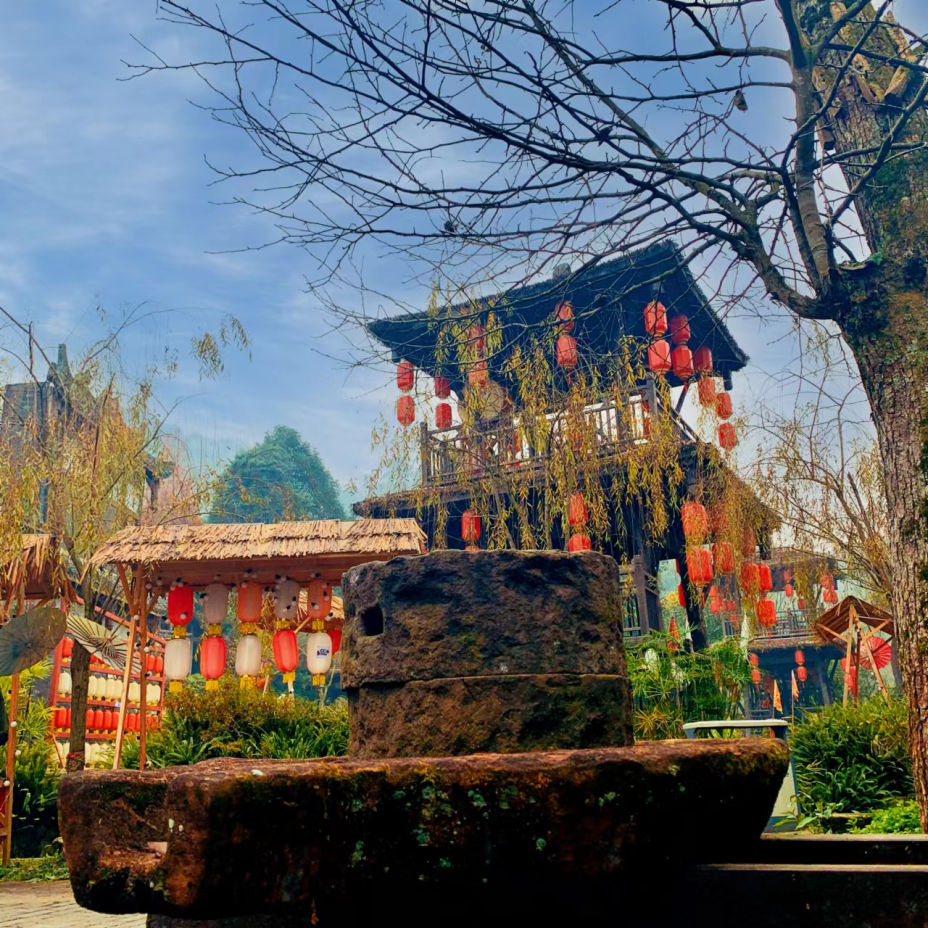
791, 624
450, 457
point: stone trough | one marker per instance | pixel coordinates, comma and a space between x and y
491, 778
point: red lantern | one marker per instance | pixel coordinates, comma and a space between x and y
766, 612
800, 657
442, 387
750, 578
180, 605
659, 356
728, 437
702, 359
655, 319
851, 682
477, 336
788, 591
830, 596
213, 653
828, 581
802, 674
756, 676
564, 313
405, 411
715, 607
730, 606
801, 605
578, 514
580, 543
68, 647
699, 566
679, 329
443, 416
286, 651
724, 556
108, 720
405, 376
695, 521
318, 600
723, 408
754, 659
470, 526
97, 720
60, 717
681, 596
682, 359
478, 376
566, 352
706, 387
764, 578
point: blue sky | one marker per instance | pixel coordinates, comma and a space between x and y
105, 198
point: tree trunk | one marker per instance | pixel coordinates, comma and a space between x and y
894, 368
80, 681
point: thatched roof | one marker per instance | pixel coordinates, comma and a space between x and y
836, 620
201, 553
35, 572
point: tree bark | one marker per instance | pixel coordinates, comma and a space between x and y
80, 681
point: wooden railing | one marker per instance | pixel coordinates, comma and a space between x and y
455, 456
791, 624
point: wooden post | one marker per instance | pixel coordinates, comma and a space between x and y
847, 660
124, 695
143, 687
856, 659
10, 770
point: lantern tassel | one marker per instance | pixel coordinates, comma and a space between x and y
212, 685
318, 679
289, 678
175, 686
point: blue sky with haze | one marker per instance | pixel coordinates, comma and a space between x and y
106, 198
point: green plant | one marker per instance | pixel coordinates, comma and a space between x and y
235, 722
673, 686
853, 758
36, 771
899, 818
34, 869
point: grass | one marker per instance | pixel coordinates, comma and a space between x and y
34, 870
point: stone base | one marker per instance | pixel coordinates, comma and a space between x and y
337, 841
496, 714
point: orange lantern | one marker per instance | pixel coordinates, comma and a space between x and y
754, 659
659, 356
750, 578
706, 388
800, 657
286, 653
830, 596
405, 376
764, 578
724, 557
679, 329
695, 521
655, 318
801, 605
580, 542
566, 352
802, 674
699, 566
723, 407
213, 654
578, 514
756, 676
766, 612
405, 411
443, 416
470, 526
318, 602
682, 361
702, 359
564, 313
728, 436
250, 599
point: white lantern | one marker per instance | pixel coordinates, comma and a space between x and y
178, 661
215, 603
318, 655
64, 684
92, 688
287, 599
248, 656
135, 691
113, 688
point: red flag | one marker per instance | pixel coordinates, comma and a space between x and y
777, 699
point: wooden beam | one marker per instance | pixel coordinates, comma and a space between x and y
10, 769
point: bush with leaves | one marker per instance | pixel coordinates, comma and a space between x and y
899, 818
36, 771
853, 758
672, 685
235, 722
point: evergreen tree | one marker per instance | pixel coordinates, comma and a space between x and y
280, 479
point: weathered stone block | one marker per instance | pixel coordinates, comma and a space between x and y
461, 652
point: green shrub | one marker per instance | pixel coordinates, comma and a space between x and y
899, 818
853, 758
235, 722
36, 771
34, 869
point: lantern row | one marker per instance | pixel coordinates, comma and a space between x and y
178, 657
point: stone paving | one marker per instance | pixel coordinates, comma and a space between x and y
51, 905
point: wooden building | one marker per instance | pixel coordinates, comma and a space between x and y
607, 304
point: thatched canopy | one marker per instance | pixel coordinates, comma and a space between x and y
203, 554
836, 620
36, 572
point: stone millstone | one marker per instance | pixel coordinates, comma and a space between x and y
333, 842
462, 652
